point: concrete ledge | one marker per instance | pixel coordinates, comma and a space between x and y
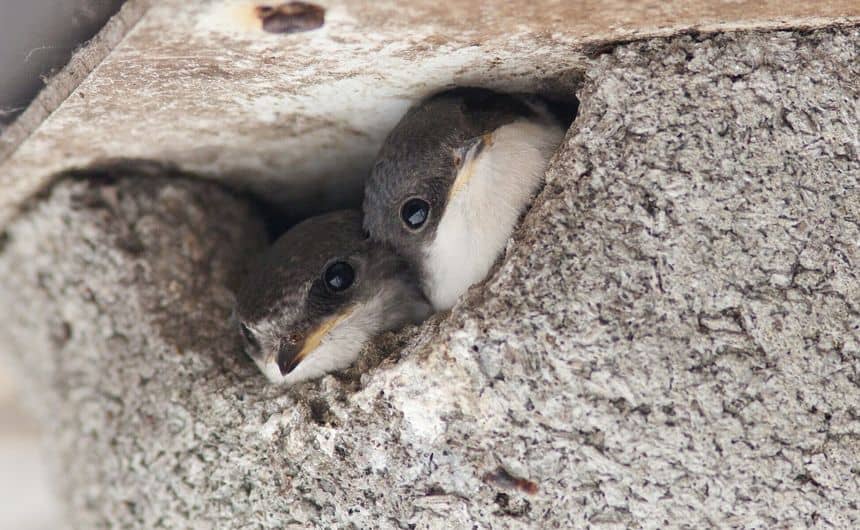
297, 118
671, 341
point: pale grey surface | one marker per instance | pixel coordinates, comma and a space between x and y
672, 340
36, 38
27, 500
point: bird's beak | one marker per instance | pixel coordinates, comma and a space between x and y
291, 354
470, 153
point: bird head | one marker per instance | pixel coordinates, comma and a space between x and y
311, 301
426, 162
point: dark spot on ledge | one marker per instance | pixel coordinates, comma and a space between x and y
291, 17
503, 479
512, 507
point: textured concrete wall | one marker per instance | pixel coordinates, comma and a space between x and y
673, 338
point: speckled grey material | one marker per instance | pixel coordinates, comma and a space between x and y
672, 340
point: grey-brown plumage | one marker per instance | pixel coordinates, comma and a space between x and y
452, 179
319, 293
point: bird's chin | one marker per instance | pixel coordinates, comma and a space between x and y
305, 371
270, 369
332, 347
330, 356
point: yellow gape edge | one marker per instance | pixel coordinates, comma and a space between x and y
468, 170
315, 338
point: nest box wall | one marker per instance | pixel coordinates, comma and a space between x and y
672, 339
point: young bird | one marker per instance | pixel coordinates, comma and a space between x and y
319, 293
451, 181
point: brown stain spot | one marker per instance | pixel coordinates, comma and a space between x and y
291, 17
503, 479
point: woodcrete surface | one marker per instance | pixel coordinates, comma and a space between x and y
673, 339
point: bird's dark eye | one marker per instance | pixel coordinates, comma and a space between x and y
339, 276
414, 213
